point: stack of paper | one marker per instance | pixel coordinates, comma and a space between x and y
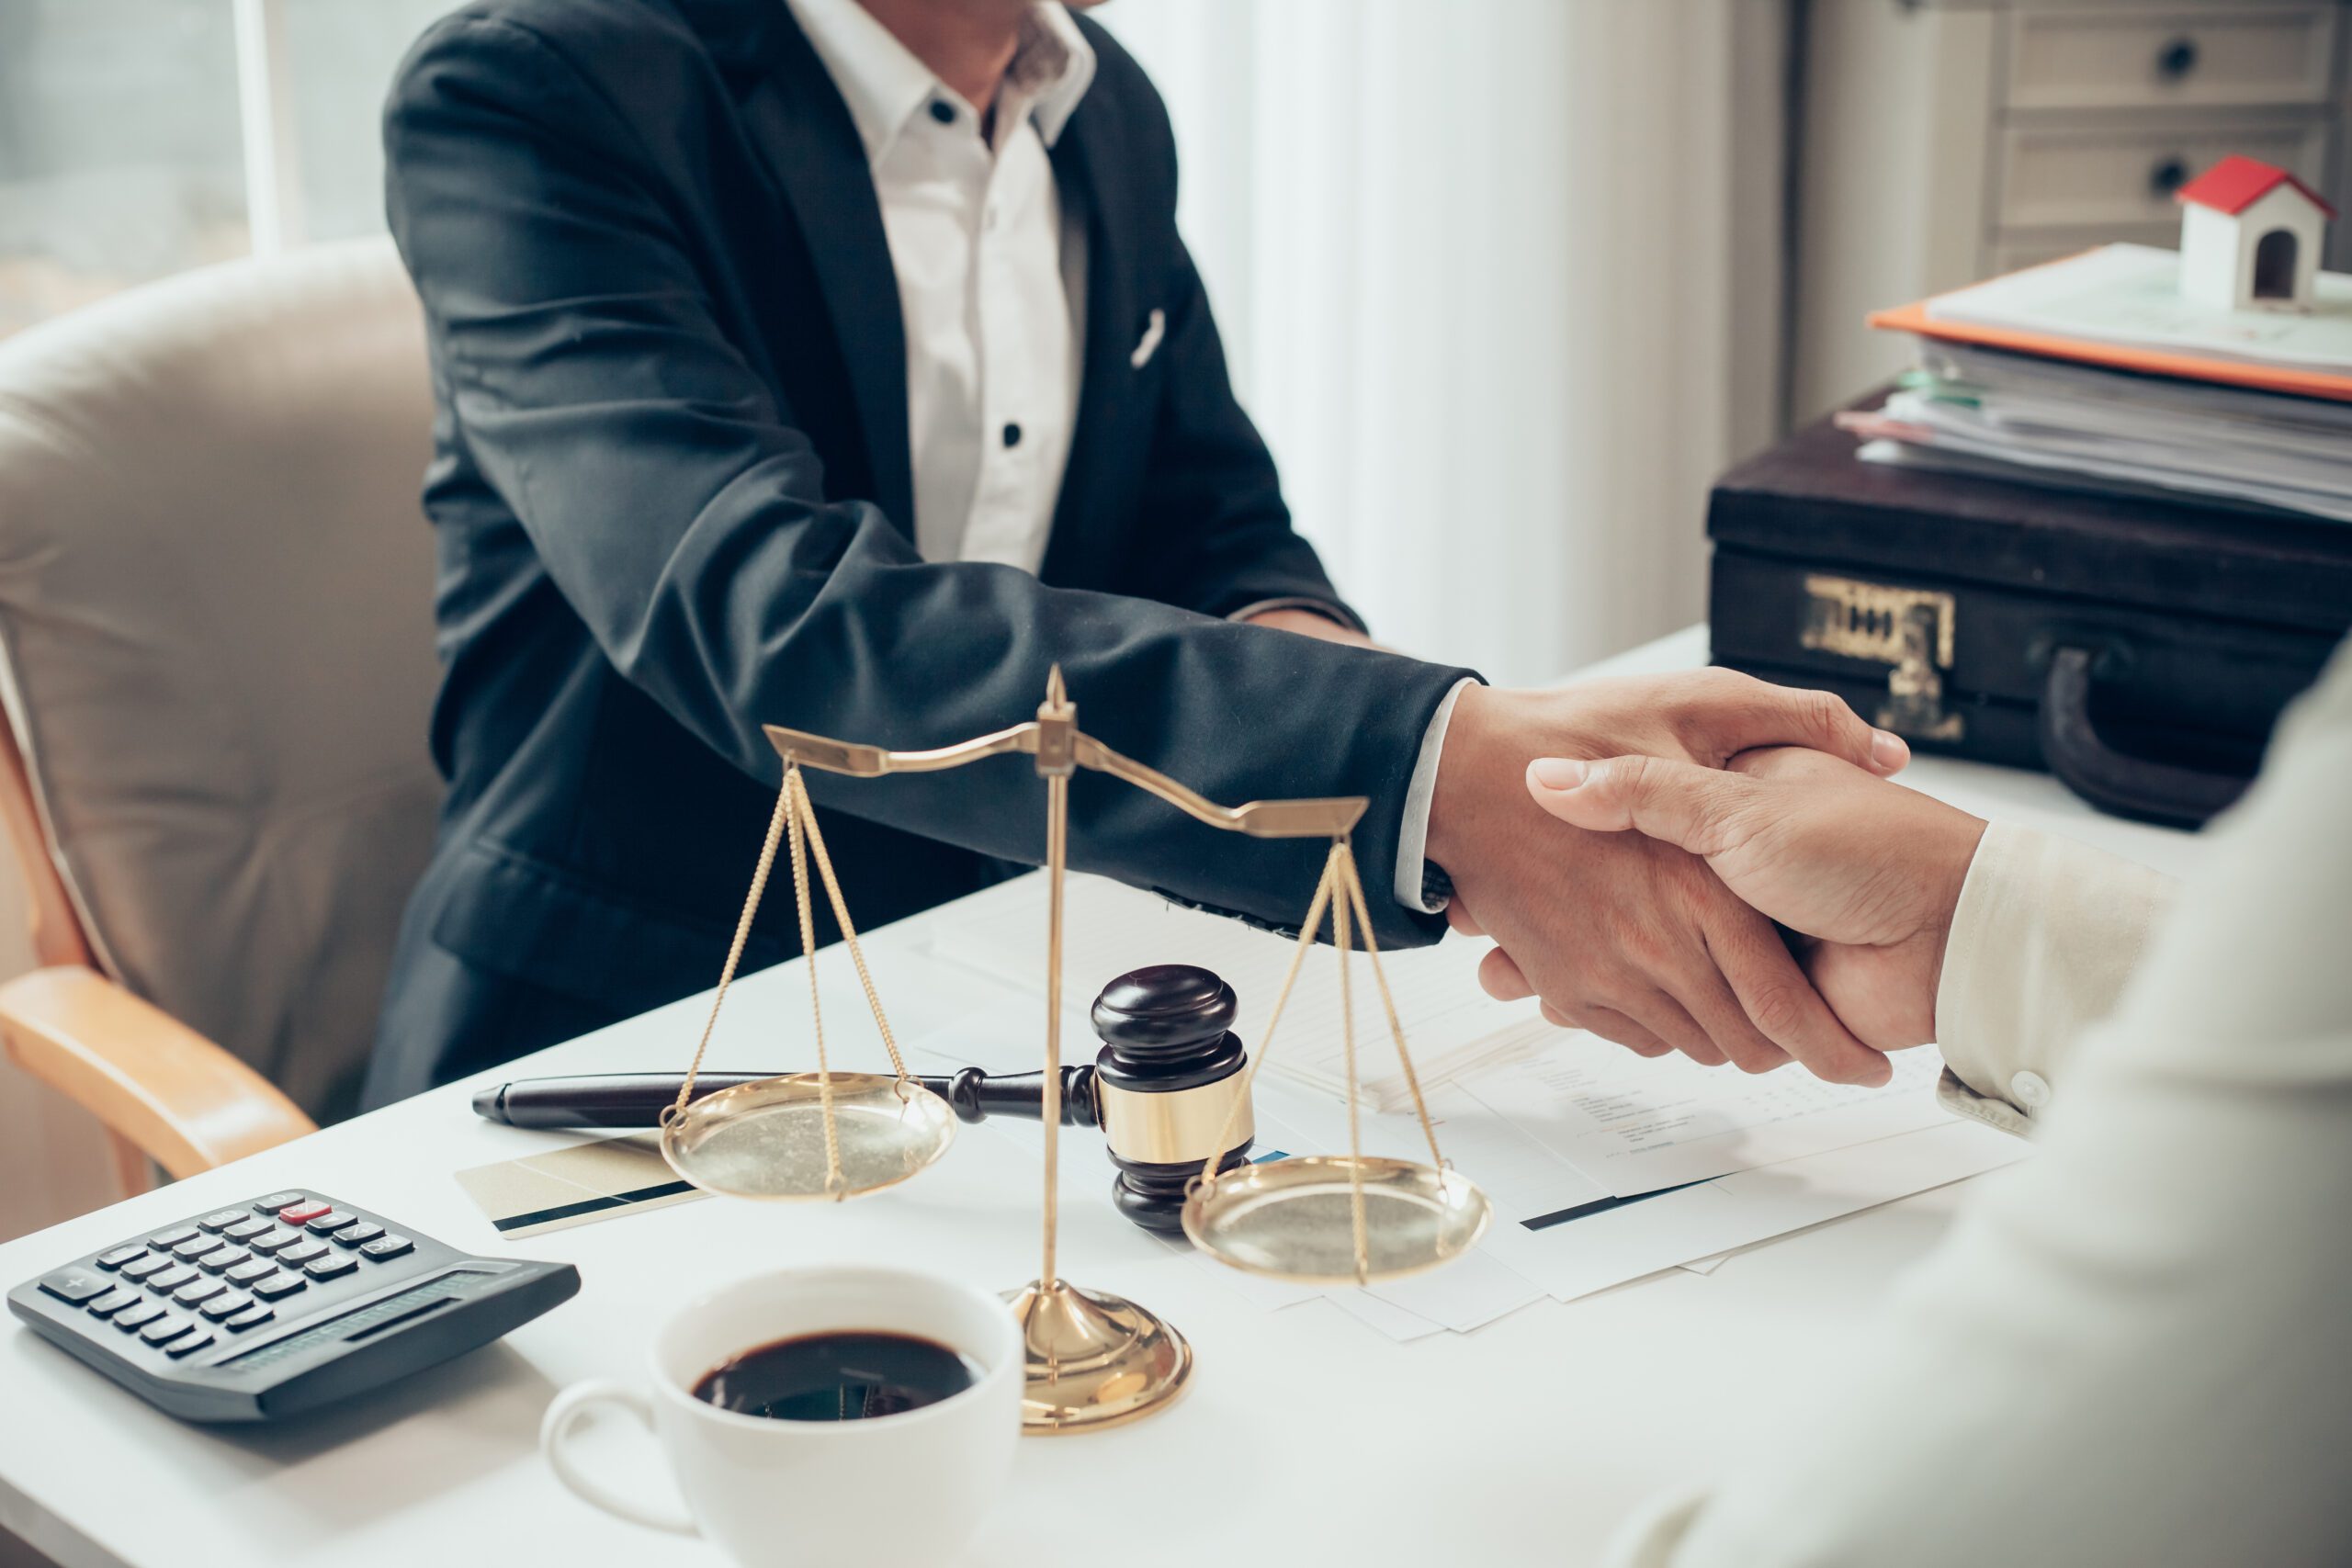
1602, 1165
2093, 372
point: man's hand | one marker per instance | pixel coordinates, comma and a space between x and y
1628, 936
1869, 870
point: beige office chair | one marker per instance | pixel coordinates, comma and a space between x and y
216, 656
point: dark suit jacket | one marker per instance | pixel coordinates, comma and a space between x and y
673, 497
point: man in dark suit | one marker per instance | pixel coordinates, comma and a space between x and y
837, 363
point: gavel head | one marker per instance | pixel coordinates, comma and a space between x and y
1166, 1083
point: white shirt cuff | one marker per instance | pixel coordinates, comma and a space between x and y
1413, 836
2045, 934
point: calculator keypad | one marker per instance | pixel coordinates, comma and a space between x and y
165, 1325
197, 1291
131, 1317
181, 1287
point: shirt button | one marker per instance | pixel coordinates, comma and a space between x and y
1013, 435
942, 112
987, 219
2030, 1091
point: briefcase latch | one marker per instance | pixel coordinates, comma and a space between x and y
1910, 629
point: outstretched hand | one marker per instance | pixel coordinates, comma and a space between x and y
1868, 872
1622, 934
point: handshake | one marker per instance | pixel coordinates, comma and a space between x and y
1630, 845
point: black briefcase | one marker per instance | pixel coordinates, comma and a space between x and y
2138, 649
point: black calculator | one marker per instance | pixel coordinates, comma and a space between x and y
280, 1306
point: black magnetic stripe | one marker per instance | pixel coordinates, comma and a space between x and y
1602, 1205
590, 1205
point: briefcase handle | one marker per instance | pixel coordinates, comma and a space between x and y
2127, 786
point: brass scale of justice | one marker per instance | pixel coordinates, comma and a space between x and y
1093, 1359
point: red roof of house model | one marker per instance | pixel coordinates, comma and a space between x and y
2235, 183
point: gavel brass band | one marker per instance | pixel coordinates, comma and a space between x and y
1179, 1128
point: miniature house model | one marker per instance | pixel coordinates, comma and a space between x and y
2250, 238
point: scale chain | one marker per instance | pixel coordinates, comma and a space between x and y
849, 932
1306, 930
783, 811
1343, 866
1396, 1024
801, 812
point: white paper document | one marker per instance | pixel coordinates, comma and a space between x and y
1636, 1124
1645, 1235
1602, 1166
2131, 294
1449, 1023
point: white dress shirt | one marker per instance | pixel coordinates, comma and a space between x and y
992, 290
991, 279
2135, 1349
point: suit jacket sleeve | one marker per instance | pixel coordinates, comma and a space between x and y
682, 516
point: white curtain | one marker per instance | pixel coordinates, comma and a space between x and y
1500, 282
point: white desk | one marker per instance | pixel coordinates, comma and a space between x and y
1307, 1438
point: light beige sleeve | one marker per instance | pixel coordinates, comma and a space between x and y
2132, 1349
2046, 933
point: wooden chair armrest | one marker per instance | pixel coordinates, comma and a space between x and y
182, 1099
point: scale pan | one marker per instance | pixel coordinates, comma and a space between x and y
1291, 1219
767, 1139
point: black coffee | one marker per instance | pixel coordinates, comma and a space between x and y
846, 1376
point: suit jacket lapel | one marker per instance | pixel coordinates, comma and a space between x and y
1090, 149
797, 119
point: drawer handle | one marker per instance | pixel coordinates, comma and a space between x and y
2127, 786
2176, 59
2168, 176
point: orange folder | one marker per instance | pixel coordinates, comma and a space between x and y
2120, 357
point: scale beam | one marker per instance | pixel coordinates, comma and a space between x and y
1328, 816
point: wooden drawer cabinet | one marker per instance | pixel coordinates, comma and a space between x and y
2173, 57
2120, 173
1941, 141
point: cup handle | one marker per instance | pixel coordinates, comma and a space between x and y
555, 1437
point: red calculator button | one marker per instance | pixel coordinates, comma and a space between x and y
302, 1213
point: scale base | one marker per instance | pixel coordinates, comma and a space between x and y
1095, 1359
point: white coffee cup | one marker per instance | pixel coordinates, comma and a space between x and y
908, 1488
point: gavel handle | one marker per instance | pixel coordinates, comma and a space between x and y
635, 1101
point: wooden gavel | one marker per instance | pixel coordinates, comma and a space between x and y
1160, 1088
